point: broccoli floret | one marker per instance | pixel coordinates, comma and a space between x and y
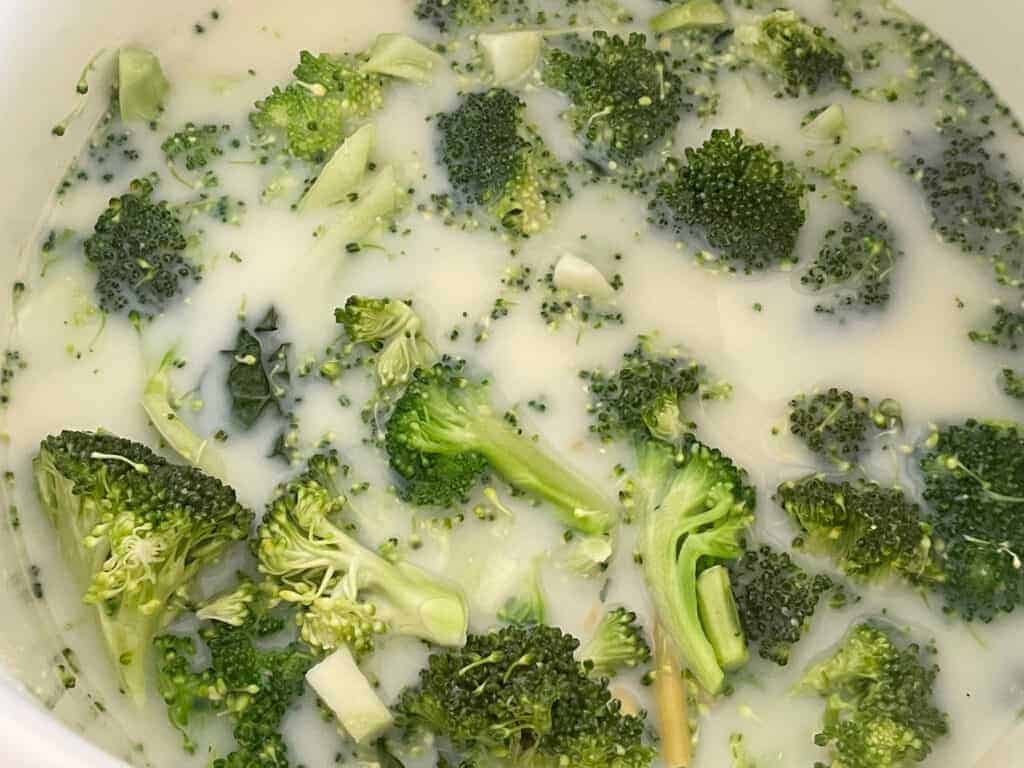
696, 505
880, 710
518, 697
648, 394
1007, 327
738, 197
497, 162
234, 607
869, 531
624, 97
803, 57
137, 250
253, 686
776, 599
1012, 383
528, 605
618, 643
193, 147
348, 593
449, 15
444, 434
835, 423
141, 527
393, 330
854, 265
974, 495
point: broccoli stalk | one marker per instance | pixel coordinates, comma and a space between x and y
618, 643
444, 434
139, 528
351, 593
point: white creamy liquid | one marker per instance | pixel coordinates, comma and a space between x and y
916, 352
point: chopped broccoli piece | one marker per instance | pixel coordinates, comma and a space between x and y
738, 197
444, 434
194, 147
393, 330
648, 394
496, 161
518, 697
141, 85
880, 710
449, 15
974, 496
1012, 383
696, 505
341, 685
400, 56
720, 617
377, 206
618, 643
834, 424
343, 173
692, 14
803, 57
234, 607
1007, 328
869, 531
348, 593
140, 529
528, 605
776, 599
624, 97
137, 250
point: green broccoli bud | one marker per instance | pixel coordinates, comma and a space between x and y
234, 607
618, 642
1012, 383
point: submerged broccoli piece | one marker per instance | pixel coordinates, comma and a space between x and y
449, 15
193, 147
141, 85
137, 250
869, 531
854, 266
497, 162
624, 97
140, 529
347, 592
444, 434
974, 495
648, 394
803, 57
696, 506
1007, 328
393, 330
738, 197
1012, 383
835, 423
528, 605
618, 643
518, 697
776, 599
880, 710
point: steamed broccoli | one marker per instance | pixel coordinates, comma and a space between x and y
880, 707
348, 594
444, 434
194, 147
624, 97
617, 643
974, 496
140, 529
1007, 327
696, 506
835, 423
497, 162
517, 697
776, 599
648, 394
803, 57
528, 605
393, 330
1012, 383
137, 249
448, 15
141, 87
739, 198
869, 531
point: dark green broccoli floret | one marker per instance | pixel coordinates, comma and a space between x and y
855, 263
618, 643
739, 198
803, 57
648, 394
194, 147
444, 434
1007, 328
253, 686
448, 15
1012, 383
348, 593
869, 531
137, 249
519, 698
880, 710
624, 96
776, 599
696, 506
835, 423
496, 161
974, 493
142, 529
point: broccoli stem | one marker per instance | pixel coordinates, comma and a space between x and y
527, 467
670, 697
128, 640
720, 618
